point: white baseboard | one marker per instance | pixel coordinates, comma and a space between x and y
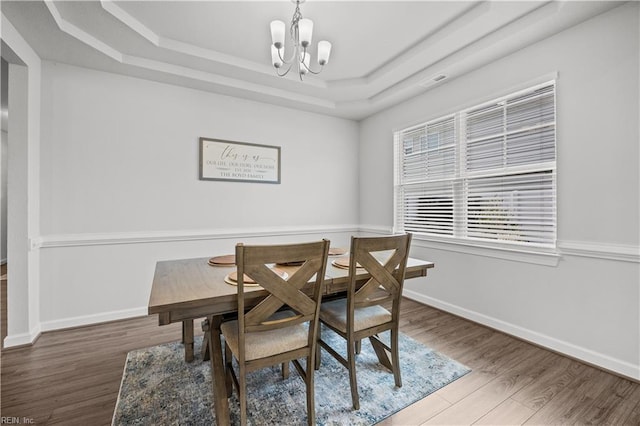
22, 339
606, 362
93, 319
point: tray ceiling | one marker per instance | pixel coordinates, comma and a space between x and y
383, 51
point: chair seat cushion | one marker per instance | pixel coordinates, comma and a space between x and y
334, 313
261, 344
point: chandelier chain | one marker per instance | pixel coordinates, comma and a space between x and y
297, 16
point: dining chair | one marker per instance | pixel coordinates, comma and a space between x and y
365, 311
283, 327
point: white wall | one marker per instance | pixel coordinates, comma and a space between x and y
587, 303
120, 187
23, 220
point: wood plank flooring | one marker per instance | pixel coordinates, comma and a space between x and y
72, 377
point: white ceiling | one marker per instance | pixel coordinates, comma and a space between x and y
383, 51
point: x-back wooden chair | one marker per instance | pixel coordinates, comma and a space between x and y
363, 313
282, 327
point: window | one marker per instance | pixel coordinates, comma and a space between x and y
487, 173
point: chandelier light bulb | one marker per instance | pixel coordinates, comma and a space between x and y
324, 50
277, 34
305, 31
305, 59
276, 55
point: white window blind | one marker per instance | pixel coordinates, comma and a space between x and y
484, 173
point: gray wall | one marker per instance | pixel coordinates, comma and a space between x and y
120, 187
584, 301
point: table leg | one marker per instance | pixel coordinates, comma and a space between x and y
187, 339
221, 404
204, 350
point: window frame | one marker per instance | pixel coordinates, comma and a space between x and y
460, 241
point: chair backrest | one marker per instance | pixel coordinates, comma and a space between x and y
256, 262
385, 260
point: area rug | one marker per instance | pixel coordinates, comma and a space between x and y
159, 388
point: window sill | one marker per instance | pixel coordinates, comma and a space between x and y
537, 256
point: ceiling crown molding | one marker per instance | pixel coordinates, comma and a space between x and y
187, 48
401, 58
180, 47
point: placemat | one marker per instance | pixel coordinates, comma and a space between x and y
337, 251
343, 263
232, 278
225, 260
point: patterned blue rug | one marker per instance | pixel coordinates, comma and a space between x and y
159, 388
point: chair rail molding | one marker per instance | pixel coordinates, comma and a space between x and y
76, 240
620, 252
376, 229
609, 251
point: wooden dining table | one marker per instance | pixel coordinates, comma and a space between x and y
188, 289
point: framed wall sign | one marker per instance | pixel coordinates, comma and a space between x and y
239, 161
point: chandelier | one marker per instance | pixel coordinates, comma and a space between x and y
301, 31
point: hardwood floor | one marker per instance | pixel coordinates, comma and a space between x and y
72, 377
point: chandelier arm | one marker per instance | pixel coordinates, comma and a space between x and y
284, 61
310, 70
285, 73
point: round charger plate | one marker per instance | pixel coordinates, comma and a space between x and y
343, 263
232, 278
225, 260
337, 251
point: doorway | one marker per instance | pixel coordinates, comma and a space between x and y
22, 136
